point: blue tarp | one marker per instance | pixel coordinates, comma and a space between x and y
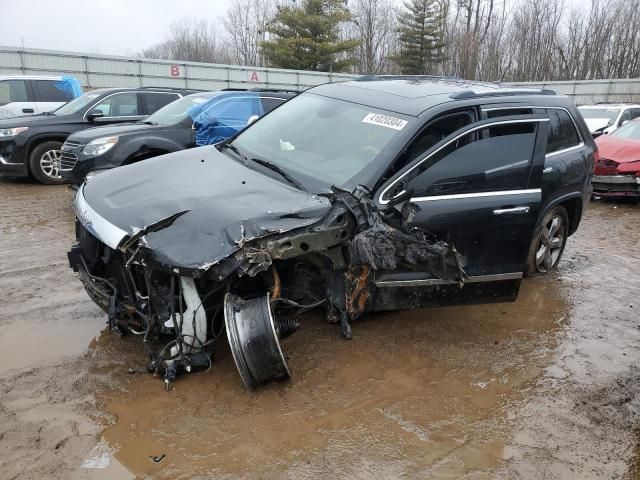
224, 115
70, 85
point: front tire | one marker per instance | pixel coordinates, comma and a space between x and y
549, 240
44, 162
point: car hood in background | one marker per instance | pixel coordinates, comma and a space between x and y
621, 150
37, 121
193, 208
85, 136
595, 124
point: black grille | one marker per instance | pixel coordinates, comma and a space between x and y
68, 161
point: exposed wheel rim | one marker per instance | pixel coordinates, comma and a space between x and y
50, 164
550, 244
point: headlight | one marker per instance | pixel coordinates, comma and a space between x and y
12, 132
100, 146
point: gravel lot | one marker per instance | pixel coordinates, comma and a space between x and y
546, 387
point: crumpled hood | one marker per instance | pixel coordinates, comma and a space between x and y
621, 150
224, 205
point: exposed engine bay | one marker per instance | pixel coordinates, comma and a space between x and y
257, 293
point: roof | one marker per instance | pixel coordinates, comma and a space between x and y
414, 95
607, 106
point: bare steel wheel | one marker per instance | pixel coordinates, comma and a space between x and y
549, 240
44, 162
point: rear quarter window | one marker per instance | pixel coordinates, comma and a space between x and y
46, 91
562, 131
155, 101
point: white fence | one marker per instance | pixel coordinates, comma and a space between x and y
96, 71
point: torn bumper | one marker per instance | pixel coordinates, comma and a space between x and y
616, 185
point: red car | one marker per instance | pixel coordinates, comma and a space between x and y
617, 172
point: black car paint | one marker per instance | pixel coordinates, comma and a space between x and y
142, 194
136, 142
341, 216
47, 127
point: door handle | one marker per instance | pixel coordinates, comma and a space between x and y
512, 211
28, 110
547, 170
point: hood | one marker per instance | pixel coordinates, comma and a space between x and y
595, 124
85, 136
621, 150
36, 121
194, 208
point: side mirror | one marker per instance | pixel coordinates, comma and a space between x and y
252, 119
95, 114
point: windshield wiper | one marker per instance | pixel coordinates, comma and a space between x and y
235, 150
282, 173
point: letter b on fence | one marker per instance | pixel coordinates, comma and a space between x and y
174, 70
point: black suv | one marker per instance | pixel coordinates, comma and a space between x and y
32, 145
195, 120
361, 196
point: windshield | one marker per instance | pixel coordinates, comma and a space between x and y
177, 111
321, 138
609, 114
630, 130
76, 104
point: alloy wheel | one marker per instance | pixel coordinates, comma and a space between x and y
50, 163
550, 244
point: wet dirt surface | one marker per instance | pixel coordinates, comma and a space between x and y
546, 387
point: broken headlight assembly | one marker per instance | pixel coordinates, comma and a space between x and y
99, 146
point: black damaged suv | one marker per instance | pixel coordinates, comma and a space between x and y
361, 196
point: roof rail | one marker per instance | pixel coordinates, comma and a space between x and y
501, 93
171, 89
368, 78
274, 90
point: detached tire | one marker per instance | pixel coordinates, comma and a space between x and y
549, 240
44, 162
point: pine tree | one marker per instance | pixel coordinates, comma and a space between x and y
421, 23
307, 37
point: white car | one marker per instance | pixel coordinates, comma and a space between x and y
605, 118
34, 94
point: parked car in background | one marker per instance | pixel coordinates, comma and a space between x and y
391, 193
195, 120
605, 118
33, 94
617, 172
32, 145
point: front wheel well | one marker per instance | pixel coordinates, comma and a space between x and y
138, 156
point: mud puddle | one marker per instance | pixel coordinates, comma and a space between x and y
425, 393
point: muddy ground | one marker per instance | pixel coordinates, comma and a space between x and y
546, 387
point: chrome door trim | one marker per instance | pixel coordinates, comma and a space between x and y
458, 196
429, 282
381, 199
511, 211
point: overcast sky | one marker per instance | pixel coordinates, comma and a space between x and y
117, 27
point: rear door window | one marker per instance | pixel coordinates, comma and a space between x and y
13, 91
46, 91
154, 101
562, 131
119, 105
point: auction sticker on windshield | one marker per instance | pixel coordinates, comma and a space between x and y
385, 121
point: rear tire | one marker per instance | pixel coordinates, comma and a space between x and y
549, 240
44, 162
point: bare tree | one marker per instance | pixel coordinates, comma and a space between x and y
190, 40
246, 25
374, 25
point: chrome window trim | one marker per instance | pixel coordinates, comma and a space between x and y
103, 230
458, 196
428, 282
381, 199
84, 117
575, 125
